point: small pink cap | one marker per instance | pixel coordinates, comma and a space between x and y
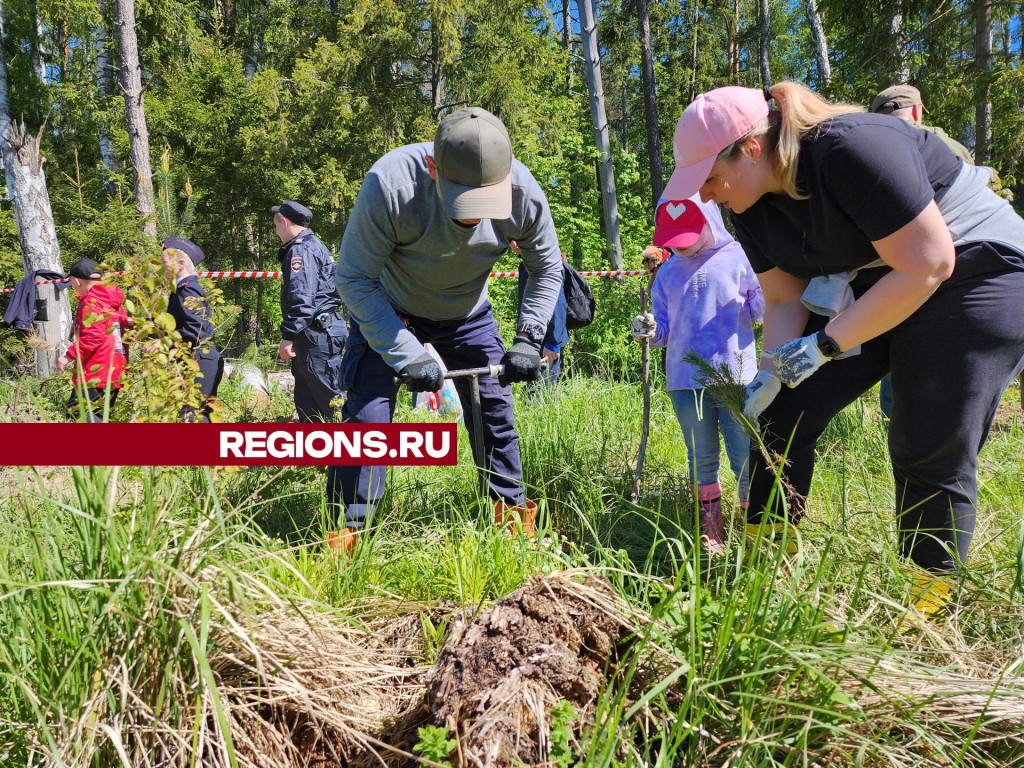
678, 224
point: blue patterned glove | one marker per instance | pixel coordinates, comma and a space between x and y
797, 359
760, 392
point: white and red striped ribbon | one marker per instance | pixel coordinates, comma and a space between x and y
274, 275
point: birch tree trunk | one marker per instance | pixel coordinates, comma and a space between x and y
650, 103
26, 182
36, 44
983, 67
901, 61
574, 184
599, 117
103, 68
130, 77
694, 28
820, 44
436, 97
766, 39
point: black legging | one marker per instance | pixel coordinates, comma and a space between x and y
951, 362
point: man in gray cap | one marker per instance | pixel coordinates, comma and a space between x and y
904, 102
427, 226
312, 328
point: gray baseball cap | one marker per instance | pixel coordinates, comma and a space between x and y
896, 97
473, 156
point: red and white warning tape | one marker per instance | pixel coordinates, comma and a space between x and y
274, 275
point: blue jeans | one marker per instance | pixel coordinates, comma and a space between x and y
885, 396
469, 342
700, 418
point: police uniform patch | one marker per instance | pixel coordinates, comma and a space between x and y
297, 264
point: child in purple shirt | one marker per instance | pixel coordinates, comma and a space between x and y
706, 298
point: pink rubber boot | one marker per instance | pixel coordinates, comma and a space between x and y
712, 526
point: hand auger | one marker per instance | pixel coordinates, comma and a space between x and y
474, 374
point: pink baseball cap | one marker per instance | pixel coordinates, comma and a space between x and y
678, 224
711, 122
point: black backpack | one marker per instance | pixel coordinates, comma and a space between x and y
579, 300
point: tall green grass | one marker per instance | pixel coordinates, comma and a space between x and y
126, 596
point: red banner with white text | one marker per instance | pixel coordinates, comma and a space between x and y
261, 444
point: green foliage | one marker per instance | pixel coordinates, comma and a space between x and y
162, 378
434, 744
170, 222
562, 717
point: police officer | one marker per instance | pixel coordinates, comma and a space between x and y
191, 312
312, 329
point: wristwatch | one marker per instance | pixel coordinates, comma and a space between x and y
826, 344
532, 333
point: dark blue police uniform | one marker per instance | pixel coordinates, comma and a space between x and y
190, 309
311, 320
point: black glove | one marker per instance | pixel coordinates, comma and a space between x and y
422, 375
521, 362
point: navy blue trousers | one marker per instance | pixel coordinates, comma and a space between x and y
950, 361
211, 371
316, 368
471, 342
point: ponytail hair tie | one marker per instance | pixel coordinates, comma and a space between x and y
767, 90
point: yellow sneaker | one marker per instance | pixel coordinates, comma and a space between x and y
930, 594
756, 532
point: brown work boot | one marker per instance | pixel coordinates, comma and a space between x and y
712, 525
517, 518
343, 542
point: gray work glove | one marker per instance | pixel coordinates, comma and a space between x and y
423, 374
760, 392
644, 326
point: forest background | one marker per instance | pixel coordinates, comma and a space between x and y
248, 103
149, 615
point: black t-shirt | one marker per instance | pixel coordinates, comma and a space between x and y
866, 177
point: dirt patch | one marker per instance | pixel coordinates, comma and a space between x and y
1009, 415
498, 677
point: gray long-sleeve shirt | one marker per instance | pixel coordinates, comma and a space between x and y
400, 251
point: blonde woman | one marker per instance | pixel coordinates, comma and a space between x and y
878, 250
190, 309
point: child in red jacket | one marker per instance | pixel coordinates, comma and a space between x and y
96, 350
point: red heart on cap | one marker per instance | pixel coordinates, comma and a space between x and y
678, 224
